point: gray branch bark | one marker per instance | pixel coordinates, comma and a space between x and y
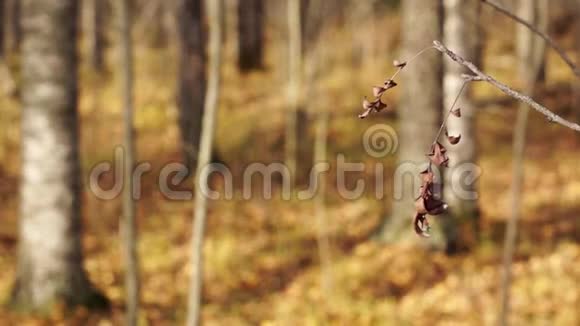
481, 76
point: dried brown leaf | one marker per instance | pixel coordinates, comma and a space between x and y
378, 105
366, 104
438, 155
389, 83
426, 190
378, 91
430, 205
368, 107
365, 113
421, 225
420, 205
434, 206
452, 139
426, 176
399, 64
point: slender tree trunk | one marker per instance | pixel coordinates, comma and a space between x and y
324, 250
128, 223
96, 34
8, 82
461, 33
2, 28
15, 24
362, 14
576, 87
305, 23
313, 14
50, 259
576, 103
531, 48
153, 23
419, 116
531, 58
295, 69
313, 67
251, 17
215, 22
191, 77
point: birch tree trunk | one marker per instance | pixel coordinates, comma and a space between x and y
128, 224
191, 77
461, 33
295, 69
531, 57
419, 115
215, 20
50, 259
251, 18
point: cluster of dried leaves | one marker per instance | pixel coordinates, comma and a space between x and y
429, 201
377, 105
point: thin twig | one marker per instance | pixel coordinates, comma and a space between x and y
377, 105
543, 35
450, 110
551, 116
409, 61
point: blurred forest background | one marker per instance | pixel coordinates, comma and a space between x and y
80, 78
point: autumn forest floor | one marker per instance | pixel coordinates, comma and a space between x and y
262, 265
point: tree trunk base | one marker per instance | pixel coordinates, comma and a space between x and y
85, 295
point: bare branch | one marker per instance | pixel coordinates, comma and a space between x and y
543, 35
468, 77
551, 116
